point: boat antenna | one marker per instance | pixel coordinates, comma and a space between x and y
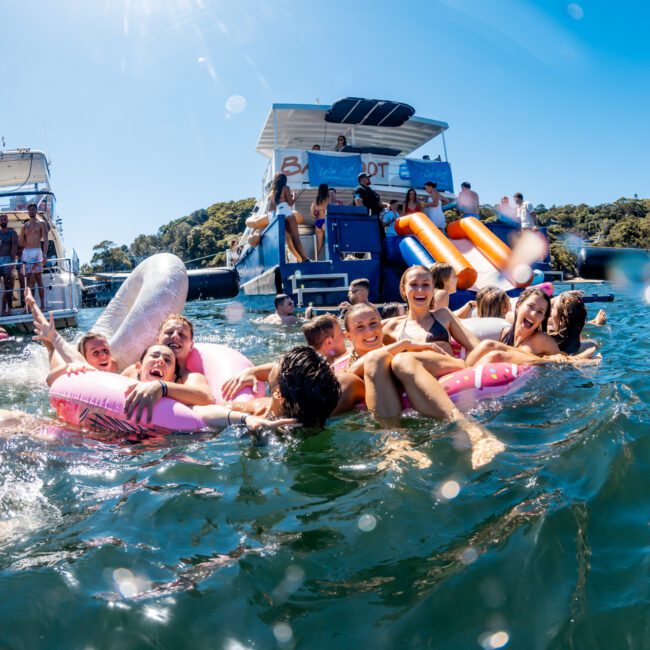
3, 142
47, 144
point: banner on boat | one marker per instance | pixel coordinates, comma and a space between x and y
384, 170
333, 169
423, 171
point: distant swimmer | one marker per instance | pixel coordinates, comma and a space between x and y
33, 239
467, 201
284, 311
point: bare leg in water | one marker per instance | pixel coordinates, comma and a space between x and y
426, 395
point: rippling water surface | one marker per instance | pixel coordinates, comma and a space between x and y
344, 539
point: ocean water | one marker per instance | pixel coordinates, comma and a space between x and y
347, 539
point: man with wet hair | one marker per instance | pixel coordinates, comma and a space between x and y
358, 293
325, 335
302, 386
284, 314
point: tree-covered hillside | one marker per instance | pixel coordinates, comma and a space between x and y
206, 233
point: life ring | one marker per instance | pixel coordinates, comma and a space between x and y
156, 288
96, 399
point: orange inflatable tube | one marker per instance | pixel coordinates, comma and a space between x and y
441, 249
498, 253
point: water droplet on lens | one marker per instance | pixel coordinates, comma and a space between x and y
235, 104
469, 555
234, 312
367, 523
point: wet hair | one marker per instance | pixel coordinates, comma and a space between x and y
360, 282
279, 183
492, 302
440, 273
466, 185
317, 330
571, 316
402, 280
90, 336
508, 337
308, 386
391, 310
323, 194
355, 309
176, 366
180, 318
279, 299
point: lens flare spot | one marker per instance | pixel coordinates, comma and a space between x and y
282, 632
367, 523
575, 11
493, 640
235, 104
450, 489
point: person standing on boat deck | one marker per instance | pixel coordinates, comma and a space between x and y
284, 314
367, 197
333, 200
411, 202
33, 238
467, 201
281, 198
316, 147
433, 205
390, 215
341, 143
525, 213
8, 258
319, 213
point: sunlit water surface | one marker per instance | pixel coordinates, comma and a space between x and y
232, 541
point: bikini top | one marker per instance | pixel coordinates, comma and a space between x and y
437, 332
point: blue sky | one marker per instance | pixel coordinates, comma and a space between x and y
130, 97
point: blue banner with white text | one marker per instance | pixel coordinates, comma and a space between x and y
335, 170
422, 171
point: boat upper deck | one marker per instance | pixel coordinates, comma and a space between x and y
364, 123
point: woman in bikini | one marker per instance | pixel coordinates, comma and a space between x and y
319, 213
421, 324
281, 200
411, 202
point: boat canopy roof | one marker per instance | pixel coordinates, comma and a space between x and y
364, 122
23, 168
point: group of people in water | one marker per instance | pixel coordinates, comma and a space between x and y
359, 357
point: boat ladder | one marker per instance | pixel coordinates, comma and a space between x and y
317, 283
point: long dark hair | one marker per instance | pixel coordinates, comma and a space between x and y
345, 140
323, 194
279, 183
570, 319
508, 336
406, 197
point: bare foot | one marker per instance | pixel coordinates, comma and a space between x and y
484, 450
399, 449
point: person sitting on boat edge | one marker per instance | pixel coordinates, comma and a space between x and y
284, 311
280, 202
467, 201
319, 213
325, 335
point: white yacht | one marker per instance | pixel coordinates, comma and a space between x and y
25, 179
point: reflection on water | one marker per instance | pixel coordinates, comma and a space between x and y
347, 538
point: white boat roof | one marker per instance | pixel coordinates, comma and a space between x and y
22, 168
300, 126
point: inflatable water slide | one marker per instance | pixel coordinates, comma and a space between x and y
477, 255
